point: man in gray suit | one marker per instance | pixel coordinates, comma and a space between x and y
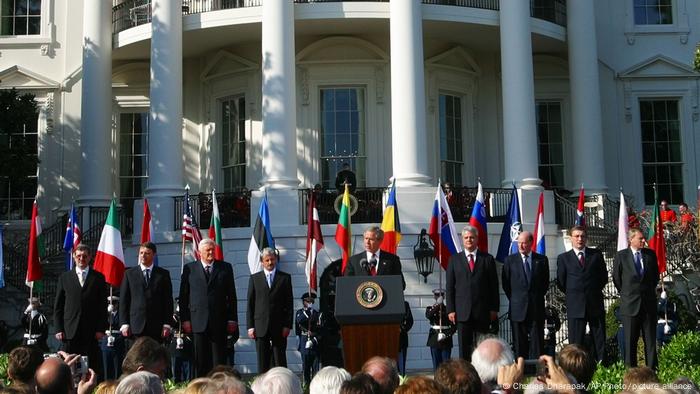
208, 307
636, 274
270, 311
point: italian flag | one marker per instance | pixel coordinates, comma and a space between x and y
109, 259
342, 231
36, 251
215, 228
656, 236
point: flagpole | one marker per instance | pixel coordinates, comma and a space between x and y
440, 259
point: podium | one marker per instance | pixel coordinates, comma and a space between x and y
369, 310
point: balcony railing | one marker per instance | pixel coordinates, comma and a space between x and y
131, 13
234, 209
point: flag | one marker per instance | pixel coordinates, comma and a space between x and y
73, 236
147, 227
314, 241
580, 218
190, 231
109, 259
442, 230
478, 220
36, 248
538, 234
2, 261
512, 227
262, 237
656, 236
390, 223
343, 231
215, 228
622, 225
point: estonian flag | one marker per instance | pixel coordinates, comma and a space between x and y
262, 237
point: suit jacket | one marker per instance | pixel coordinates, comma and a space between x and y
139, 305
208, 305
270, 308
472, 294
583, 286
526, 299
388, 264
80, 310
636, 291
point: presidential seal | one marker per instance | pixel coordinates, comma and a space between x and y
369, 294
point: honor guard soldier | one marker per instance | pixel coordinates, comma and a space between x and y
441, 329
308, 324
112, 345
36, 327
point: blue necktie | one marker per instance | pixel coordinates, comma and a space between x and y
528, 270
638, 263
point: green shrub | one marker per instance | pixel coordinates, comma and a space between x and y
608, 380
680, 357
3, 369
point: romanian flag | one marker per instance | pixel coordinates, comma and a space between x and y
215, 229
656, 235
390, 223
342, 231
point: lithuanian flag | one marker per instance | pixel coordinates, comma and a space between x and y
390, 223
342, 232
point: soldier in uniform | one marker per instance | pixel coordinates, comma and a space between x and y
667, 323
308, 325
181, 349
36, 327
112, 344
552, 324
441, 329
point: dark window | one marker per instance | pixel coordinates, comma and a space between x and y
451, 155
549, 143
133, 155
653, 12
20, 17
662, 161
233, 144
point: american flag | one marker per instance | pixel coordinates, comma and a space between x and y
190, 231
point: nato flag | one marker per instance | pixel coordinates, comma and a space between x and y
512, 227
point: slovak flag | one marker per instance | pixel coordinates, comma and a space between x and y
442, 230
580, 218
538, 246
478, 220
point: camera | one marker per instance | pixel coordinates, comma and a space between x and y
179, 343
110, 341
535, 367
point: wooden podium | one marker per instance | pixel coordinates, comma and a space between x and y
369, 310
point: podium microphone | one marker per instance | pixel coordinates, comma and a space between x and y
364, 264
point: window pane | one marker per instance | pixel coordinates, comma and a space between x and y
233, 147
451, 136
549, 147
34, 7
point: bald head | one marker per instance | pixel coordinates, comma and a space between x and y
490, 354
384, 371
525, 242
53, 376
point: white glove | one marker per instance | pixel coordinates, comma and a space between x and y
667, 329
110, 308
29, 308
663, 295
440, 300
309, 344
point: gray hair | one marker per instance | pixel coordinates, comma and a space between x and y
142, 382
471, 229
328, 380
280, 380
376, 230
220, 383
266, 252
491, 353
206, 241
632, 231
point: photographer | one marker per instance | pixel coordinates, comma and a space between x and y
64, 373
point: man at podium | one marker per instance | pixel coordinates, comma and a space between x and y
372, 261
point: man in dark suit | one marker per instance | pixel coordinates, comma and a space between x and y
80, 309
374, 261
208, 307
146, 306
582, 275
525, 280
270, 312
636, 274
472, 291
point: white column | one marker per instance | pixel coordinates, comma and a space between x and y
519, 133
409, 138
586, 119
279, 140
96, 162
165, 168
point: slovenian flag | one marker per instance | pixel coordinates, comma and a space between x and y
442, 230
478, 220
538, 246
580, 218
390, 223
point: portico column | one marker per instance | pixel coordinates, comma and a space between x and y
409, 138
586, 119
96, 161
165, 169
279, 153
518, 91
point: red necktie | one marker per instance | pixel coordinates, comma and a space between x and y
373, 266
471, 262
581, 259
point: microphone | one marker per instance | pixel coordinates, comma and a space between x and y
365, 264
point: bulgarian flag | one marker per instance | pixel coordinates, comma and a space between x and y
36, 250
215, 228
656, 236
342, 232
109, 259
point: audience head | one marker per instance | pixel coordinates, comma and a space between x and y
328, 380
422, 385
683, 385
146, 355
384, 371
226, 370
280, 380
106, 387
141, 382
22, 363
197, 386
53, 377
361, 383
490, 354
575, 361
224, 383
639, 376
458, 376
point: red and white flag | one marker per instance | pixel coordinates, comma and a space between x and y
314, 242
